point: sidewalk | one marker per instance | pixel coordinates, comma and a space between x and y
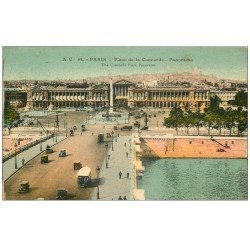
9, 165
111, 186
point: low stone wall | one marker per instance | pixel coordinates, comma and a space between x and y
26, 146
138, 194
194, 147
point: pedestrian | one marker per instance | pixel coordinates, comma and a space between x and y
127, 175
120, 198
23, 161
120, 175
108, 156
92, 133
125, 144
125, 198
127, 154
81, 133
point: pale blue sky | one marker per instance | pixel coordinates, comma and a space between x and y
47, 62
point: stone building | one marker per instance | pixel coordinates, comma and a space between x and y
225, 95
125, 93
160, 97
15, 97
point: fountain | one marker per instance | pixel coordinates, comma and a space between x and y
110, 116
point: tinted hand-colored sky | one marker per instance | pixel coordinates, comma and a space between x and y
41, 63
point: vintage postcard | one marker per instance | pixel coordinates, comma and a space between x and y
125, 123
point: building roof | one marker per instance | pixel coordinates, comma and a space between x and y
123, 82
85, 171
12, 89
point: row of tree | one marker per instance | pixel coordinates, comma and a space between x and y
213, 117
10, 114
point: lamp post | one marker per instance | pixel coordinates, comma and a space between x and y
98, 193
66, 129
112, 133
15, 157
54, 132
57, 121
97, 174
118, 129
106, 147
116, 132
138, 128
41, 146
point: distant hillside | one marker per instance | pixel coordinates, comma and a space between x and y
195, 78
150, 79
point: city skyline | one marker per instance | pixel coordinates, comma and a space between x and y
54, 63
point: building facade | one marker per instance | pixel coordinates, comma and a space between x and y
225, 95
63, 98
160, 97
128, 93
17, 98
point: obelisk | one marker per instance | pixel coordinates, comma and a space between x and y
111, 98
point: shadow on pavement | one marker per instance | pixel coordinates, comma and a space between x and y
71, 196
33, 188
49, 161
97, 182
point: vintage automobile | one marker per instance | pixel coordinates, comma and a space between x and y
74, 128
44, 159
62, 153
48, 150
137, 124
83, 128
77, 165
100, 138
24, 187
144, 128
127, 128
62, 194
84, 177
220, 150
71, 132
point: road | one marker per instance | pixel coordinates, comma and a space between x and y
45, 179
9, 165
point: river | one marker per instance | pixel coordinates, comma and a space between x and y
194, 179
